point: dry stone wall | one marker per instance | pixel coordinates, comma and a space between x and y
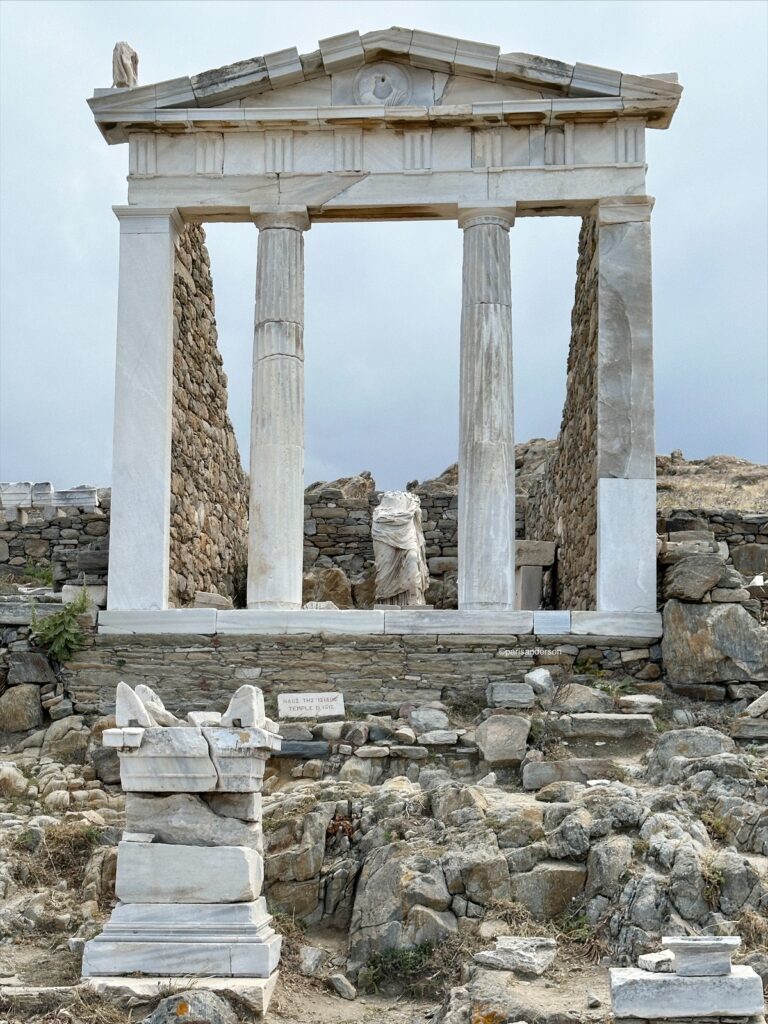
562, 505
72, 542
209, 490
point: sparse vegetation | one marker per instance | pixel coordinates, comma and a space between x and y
716, 825
61, 854
39, 572
61, 634
713, 883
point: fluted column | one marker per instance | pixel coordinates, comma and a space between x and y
141, 461
486, 421
276, 516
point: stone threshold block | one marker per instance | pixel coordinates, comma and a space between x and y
656, 997
159, 873
254, 993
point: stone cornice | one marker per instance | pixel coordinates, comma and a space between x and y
577, 86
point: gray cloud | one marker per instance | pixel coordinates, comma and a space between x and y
382, 300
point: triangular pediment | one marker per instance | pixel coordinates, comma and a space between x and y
393, 70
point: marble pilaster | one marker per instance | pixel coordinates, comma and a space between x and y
276, 519
141, 463
626, 450
486, 422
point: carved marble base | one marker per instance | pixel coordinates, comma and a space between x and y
229, 940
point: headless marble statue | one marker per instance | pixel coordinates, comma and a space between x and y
399, 548
125, 66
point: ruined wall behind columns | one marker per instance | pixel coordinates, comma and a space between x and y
209, 490
562, 506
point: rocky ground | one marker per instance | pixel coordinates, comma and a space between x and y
718, 481
392, 892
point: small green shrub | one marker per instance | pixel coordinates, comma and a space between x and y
402, 965
39, 573
61, 635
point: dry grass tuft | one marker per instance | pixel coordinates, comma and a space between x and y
62, 853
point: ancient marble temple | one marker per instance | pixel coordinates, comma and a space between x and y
390, 125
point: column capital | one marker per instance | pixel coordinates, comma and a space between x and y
140, 220
476, 213
294, 217
623, 209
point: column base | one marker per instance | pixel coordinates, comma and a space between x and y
225, 940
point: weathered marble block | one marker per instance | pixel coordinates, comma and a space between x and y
162, 873
700, 956
636, 993
185, 819
239, 757
169, 760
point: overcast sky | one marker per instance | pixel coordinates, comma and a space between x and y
382, 300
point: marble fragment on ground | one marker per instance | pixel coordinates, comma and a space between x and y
190, 868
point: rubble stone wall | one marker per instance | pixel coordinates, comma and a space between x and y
562, 505
72, 541
209, 490
373, 672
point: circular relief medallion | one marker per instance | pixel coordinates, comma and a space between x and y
382, 85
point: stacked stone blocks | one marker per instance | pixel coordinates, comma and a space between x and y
190, 867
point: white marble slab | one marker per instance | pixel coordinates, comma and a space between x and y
477, 622
166, 957
299, 621
626, 545
636, 993
551, 622
156, 873
169, 620
646, 624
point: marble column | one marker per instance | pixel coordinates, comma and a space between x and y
141, 462
626, 442
276, 518
486, 422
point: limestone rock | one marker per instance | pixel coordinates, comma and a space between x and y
425, 925
428, 720
537, 774
332, 584
698, 742
66, 740
540, 680
607, 864
502, 739
510, 695
713, 643
549, 889
20, 708
187, 820
758, 708
193, 1007
530, 955
12, 782
577, 699
28, 667
691, 578
751, 559
311, 961
342, 986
